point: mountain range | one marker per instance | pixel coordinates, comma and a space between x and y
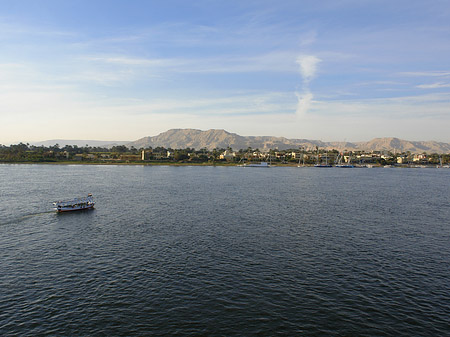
214, 138
217, 138
79, 143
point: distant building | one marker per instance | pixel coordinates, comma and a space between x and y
228, 155
146, 154
419, 157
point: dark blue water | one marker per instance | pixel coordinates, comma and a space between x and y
225, 251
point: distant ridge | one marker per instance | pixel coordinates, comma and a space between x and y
218, 138
79, 143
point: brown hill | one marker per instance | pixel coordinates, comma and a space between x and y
210, 139
399, 145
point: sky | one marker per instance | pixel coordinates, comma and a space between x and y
340, 70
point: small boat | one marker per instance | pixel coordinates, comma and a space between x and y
261, 164
77, 204
440, 164
303, 157
340, 164
320, 164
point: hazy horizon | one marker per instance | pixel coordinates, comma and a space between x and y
330, 70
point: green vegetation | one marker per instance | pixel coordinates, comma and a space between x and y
26, 153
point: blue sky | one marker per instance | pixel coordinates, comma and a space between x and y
121, 70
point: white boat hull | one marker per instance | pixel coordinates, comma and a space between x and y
71, 209
78, 204
262, 164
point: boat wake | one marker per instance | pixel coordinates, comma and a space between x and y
24, 218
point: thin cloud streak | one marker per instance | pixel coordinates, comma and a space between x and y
426, 73
433, 86
270, 62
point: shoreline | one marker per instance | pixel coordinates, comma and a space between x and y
194, 164
118, 163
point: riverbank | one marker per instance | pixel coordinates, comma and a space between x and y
225, 164
121, 163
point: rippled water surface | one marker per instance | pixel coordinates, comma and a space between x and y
225, 251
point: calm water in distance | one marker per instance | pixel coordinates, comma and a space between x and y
222, 251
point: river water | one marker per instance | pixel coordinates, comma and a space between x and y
226, 251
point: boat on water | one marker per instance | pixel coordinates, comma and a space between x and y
321, 164
303, 157
261, 164
340, 164
441, 165
77, 204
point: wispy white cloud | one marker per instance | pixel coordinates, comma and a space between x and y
417, 99
396, 83
308, 66
303, 103
131, 61
398, 108
102, 77
434, 85
269, 62
426, 73
10, 30
256, 104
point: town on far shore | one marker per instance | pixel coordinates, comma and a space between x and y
121, 154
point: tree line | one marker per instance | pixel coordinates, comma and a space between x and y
30, 153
